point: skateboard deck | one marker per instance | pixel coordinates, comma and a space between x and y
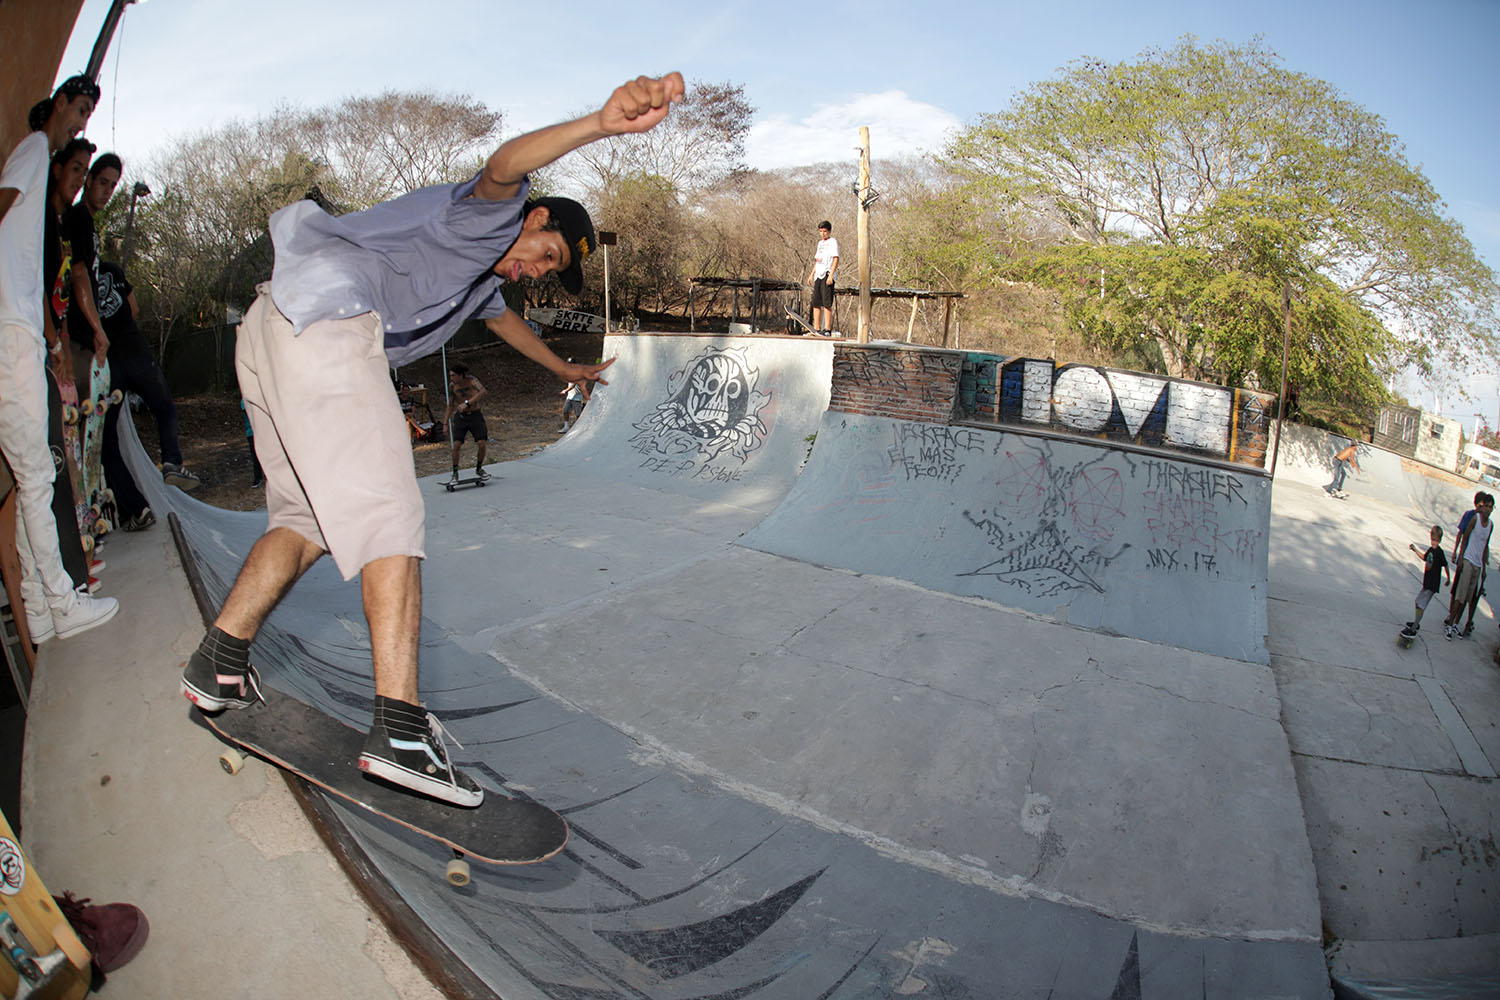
95, 409
64, 509
452, 484
43, 956
798, 320
503, 830
73, 421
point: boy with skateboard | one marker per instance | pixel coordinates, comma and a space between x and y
824, 272
463, 418
1435, 566
27, 340
349, 297
1474, 545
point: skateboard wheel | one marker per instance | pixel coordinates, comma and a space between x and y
458, 872
116, 396
87, 407
88, 544
448, 487
102, 526
231, 761
94, 509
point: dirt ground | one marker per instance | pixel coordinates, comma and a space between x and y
522, 409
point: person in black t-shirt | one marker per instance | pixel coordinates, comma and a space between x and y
1435, 564
131, 366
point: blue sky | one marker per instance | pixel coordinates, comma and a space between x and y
814, 72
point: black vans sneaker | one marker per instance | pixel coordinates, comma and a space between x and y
215, 689
407, 747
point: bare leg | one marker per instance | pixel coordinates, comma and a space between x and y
458, 446
392, 590
482, 442
275, 562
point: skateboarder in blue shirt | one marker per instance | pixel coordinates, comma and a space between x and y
348, 298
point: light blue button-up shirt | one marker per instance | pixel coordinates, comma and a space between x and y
423, 262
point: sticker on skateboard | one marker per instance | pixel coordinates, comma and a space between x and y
505, 829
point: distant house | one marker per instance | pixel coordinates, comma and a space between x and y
1416, 434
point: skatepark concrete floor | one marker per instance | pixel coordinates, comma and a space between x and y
123, 799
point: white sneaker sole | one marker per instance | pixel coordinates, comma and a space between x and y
419, 783
71, 631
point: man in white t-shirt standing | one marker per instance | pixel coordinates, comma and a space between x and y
825, 268
1474, 544
27, 341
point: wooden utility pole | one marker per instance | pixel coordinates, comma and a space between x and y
1286, 346
864, 234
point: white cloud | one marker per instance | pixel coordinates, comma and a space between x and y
898, 124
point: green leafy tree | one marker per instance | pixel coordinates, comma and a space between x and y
1171, 199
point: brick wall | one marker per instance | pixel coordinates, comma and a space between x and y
905, 383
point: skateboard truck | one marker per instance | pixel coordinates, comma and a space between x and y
36, 972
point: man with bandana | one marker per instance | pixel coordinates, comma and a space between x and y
28, 339
349, 297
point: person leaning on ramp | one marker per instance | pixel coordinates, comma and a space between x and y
329, 432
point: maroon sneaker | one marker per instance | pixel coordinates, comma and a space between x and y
113, 933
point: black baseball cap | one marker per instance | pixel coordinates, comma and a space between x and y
577, 229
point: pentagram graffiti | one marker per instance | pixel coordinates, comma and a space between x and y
1053, 527
12, 867
712, 408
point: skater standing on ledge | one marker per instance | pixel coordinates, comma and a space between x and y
1341, 462
348, 298
825, 271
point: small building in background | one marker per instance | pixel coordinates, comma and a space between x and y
1414, 433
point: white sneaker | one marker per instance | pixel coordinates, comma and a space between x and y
85, 613
41, 628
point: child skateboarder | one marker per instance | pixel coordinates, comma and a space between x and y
349, 298
1435, 566
573, 400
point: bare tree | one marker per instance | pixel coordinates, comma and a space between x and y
699, 144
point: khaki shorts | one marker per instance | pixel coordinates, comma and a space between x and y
1468, 583
330, 435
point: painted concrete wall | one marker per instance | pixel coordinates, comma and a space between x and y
1127, 542
1196, 418
720, 418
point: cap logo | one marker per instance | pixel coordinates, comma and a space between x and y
582, 249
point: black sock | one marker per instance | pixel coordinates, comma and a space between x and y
401, 718
224, 651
